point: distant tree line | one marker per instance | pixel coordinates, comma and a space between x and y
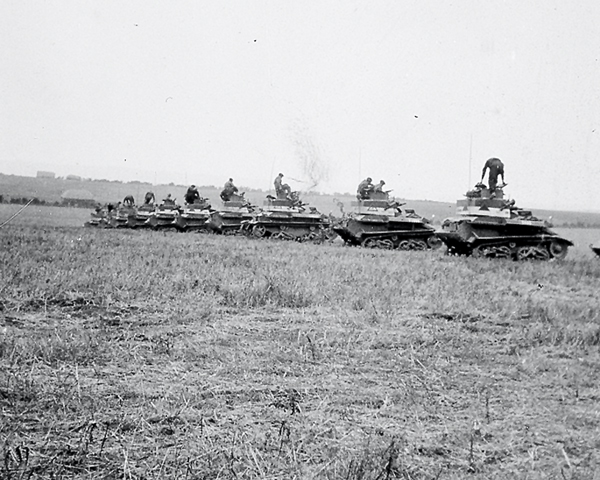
37, 201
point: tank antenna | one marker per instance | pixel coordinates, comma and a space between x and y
470, 159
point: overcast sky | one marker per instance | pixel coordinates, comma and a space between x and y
418, 93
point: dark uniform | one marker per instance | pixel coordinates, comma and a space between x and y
496, 168
379, 186
282, 190
364, 189
192, 195
168, 200
228, 190
149, 198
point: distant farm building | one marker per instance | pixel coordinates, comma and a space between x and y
42, 174
74, 177
77, 198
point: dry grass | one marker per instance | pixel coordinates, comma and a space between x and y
128, 354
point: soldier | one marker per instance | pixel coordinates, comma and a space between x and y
192, 195
364, 188
282, 190
129, 201
496, 168
149, 198
379, 186
169, 200
228, 190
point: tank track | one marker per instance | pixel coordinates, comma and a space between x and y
523, 248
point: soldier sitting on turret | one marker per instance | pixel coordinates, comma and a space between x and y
228, 190
192, 195
149, 198
364, 189
379, 187
169, 200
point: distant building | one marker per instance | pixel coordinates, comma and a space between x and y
74, 177
42, 174
78, 198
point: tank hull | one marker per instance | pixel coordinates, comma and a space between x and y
163, 218
502, 238
232, 214
193, 220
400, 232
228, 222
288, 226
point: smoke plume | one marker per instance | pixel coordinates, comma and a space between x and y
309, 154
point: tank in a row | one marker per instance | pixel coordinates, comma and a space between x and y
286, 217
487, 225
196, 216
379, 222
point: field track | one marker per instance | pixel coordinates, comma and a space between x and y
152, 355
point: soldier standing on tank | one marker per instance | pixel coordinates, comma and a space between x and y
496, 168
365, 188
228, 190
282, 190
192, 195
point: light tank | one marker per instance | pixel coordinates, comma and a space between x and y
287, 218
100, 217
120, 216
194, 216
487, 225
164, 216
379, 222
229, 217
139, 216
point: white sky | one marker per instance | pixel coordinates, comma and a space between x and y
332, 91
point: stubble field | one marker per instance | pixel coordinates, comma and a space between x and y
152, 355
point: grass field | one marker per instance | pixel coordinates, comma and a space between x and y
151, 355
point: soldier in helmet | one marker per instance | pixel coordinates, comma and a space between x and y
129, 201
365, 188
496, 168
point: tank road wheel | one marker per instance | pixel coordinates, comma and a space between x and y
532, 253
386, 243
259, 231
418, 245
369, 243
434, 242
503, 252
558, 249
404, 245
